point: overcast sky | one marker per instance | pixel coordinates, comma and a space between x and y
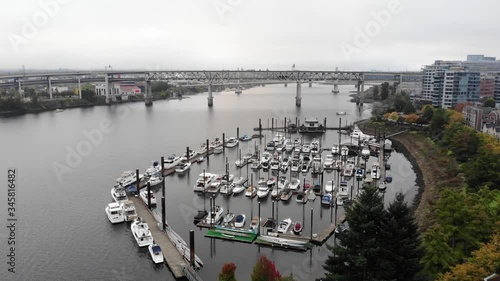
253, 34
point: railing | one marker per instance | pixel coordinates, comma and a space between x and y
190, 273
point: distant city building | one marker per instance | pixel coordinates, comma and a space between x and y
123, 89
447, 83
476, 117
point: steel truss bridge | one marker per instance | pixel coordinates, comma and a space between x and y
205, 77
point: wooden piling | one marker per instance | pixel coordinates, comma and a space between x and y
191, 248
149, 196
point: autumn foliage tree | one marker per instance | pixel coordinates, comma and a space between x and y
265, 270
227, 272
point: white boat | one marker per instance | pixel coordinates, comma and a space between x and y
294, 184
284, 225
231, 142
226, 188
344, 151
305, 167
218, 150
275, 164
119, 194
278, 138
343, 190
297, 149
240, 220
255, 165
144, 196
341, 113
130, 179
238, 188
286, 194
192, 154
288, 145
387, 144
228, 218
172, 161
215, 215
296, 142
202, 150
156, 253
282, 182
262, 190
275, 193
216, 143
335, 149
271, 182
129, 210
295, 166
239, 180
365, 152
306, 148
203, 182
382, 186
375, 172
270, 146
348, 170
340, 200
115, 212
155, 180
142, 234
182, 167
330, 187
59, 110
251, 192
155, 168
125, 175
328, 164
315, 149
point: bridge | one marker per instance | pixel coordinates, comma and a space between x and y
207, 78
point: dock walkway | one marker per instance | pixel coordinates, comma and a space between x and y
173, 258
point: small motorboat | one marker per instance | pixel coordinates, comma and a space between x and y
286, 194
156, 253
218, 150
237, 188
326, 199
140, 231
226, 189
297, 227
200, 216
231, 142
182, 167
317, 189
59, 110
329, 187
294, 184
228, 218
200, 159
155, 180
144, 196
388, 179
271, 182
359, 173
239, 221
251, 192
382, 186
300, 197
341, 113
335, 150
246, 138
284, 225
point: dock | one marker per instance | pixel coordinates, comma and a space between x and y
173, 258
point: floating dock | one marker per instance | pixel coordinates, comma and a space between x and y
232, 234
173, 258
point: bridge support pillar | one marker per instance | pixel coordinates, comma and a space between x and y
50, 87
210, 97
298, 97
20, 88
108, 94
336, 87
148, 97
79, 88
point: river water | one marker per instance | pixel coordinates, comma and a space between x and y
62, 231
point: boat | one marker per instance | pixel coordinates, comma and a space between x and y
215, 215
285, 162
348, 171
200, 159
239, 180
365, 152
335, 149
156, 253
275, 164
266, 157
359, 173
231, 142
343, 189
328, 164
296, 142
114, 212
270, 146
330, 187
119, 194
129, 211
251, 192
388, 179
326, 199
59, 110
387, 144
226, 188
254, 224
186, 156
140, 231
204, 180
155, 180
125, 175
338, 165
382, 186
238, 91
344, 151
300, 197
262, 190
130, 179
284, 225
238, 188
286, 194
305, 167
278, 138
144, 196
282, 182
239, 221
246, 138
271, 182
297, 227
155, 168
228, 218
297, 148
341, 113
182, 167
255, 165
311, 196
311, 125
172, 161
295, 166
202, 150
288, 145
375, 172
216, 143
200, 216
317, 189
294, 184
218, 150
316, 165
306, 148
340, 201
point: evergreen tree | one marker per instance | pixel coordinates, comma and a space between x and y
402, 245
385, 91
358, 255
439, 255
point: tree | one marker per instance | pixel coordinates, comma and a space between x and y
400, 102
227, 272
439, 119
489, 102
401, 245
412, 118
384, 91
265, 270
459, 107
88, 95
438, 256
428, 113
409, 108
375, 92
484, 169
358, 256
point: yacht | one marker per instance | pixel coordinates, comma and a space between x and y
286, 194
387, 144
266, 157
203, 182
335, 149
296, 142
270, 146
129, 210
182, 167
130, 179
341, 113
306, 148
115, 212
375, 173
282, 182
172, 161
275, 164
348, 171
156, 253
228, 218
119, 194
284, 225
191, 155
344, 151
330, 187
288, 145
329, 162
315, 149
153, 169
231, 142
144, 196
251, 192
240, 220
238, 188
216, 143
215, 215
142, 234
155, 180
125, 175
285, 162
294, 184
311, 125
202, 150
226, 188
263, 189
296, 165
